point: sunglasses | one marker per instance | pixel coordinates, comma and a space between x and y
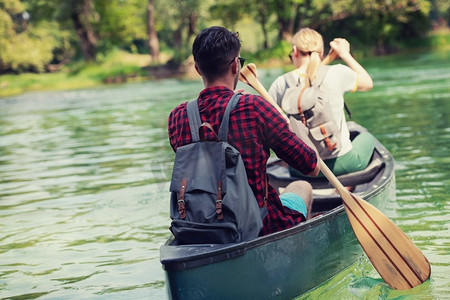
241, 61
290, 54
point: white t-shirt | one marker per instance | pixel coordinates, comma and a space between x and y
338, 80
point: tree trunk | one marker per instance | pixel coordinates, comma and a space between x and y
192, 24
263, 22
80, 18
285, 14
178, 38
153, 42
291, 26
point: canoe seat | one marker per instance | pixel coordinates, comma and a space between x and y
281, 174
354, 178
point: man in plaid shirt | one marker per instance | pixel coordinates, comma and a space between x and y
255, 128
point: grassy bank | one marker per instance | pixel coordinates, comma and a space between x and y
119, 67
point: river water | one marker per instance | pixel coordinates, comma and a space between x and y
84, 178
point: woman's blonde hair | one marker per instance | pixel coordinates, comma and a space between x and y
309, 42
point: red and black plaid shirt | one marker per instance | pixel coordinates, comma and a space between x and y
255, 128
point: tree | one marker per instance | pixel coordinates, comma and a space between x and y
231, 12
286, 12
81, 13
153, 42
440, 13
99, 25
177, 23
261, 11
185, 18
23, 47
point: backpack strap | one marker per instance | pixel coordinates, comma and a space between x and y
291, 79
194, 119
223, 130
321, 76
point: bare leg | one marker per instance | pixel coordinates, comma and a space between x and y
304, 190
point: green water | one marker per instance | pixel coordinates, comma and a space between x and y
84, 183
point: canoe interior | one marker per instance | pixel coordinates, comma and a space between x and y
325, 196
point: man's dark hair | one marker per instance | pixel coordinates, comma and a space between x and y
213, 49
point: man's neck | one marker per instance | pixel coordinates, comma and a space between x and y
227, 82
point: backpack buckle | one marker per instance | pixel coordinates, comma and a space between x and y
219, 210
182, 209
330, 146
181, 203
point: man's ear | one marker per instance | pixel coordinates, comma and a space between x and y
235, 67
198, 69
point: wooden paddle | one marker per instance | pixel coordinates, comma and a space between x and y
396, 258
330, 57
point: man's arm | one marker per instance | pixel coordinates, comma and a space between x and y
282, 140
302, 131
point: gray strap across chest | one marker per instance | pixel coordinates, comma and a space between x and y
195, 121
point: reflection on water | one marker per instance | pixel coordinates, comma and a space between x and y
83, 190
84, 183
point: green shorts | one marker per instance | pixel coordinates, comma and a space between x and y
355, 160
295, 202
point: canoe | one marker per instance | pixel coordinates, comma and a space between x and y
288, 263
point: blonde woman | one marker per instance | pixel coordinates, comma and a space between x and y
306, 55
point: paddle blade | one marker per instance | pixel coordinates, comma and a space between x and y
249, 75
396, 258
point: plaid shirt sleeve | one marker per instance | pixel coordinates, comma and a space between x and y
282, 140
177, 126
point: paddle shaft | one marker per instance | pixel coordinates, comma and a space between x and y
249, 76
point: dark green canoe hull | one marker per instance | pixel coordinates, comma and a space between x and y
282, 265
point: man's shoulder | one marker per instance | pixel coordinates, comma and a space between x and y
258, 107
251, 97
180, 108
250, 101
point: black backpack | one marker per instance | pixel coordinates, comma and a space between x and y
211, 200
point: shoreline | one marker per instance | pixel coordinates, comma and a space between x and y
123, 67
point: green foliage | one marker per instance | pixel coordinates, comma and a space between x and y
30, 51
111, 65
50, 36
11, 6
279, 52
230, 13
119, 22
22, 47
377, 24
116, 67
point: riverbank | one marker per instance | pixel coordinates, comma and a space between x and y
119, 67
